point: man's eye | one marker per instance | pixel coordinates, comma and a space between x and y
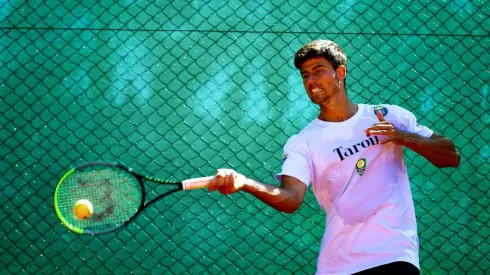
319, 71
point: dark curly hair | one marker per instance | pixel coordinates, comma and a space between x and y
321, 48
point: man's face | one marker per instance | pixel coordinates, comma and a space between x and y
321, 81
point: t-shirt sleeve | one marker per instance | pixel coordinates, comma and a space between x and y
295, 161
408, 122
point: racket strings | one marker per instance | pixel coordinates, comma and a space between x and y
115, 196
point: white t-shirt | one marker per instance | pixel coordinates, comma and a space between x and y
363, 187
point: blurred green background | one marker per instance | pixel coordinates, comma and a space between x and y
177, 89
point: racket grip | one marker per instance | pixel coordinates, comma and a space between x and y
196, 183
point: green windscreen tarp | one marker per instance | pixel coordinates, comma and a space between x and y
177, 89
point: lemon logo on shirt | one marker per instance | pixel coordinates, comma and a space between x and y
361, 166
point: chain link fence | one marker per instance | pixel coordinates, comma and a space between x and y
177, 89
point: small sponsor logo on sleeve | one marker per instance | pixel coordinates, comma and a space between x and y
284, 157
382, 109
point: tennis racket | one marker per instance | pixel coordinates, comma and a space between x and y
112, 194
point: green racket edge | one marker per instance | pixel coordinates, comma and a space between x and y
189, 185
57, 209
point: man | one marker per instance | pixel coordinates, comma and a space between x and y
353, 156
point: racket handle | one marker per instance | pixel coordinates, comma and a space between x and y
196, 183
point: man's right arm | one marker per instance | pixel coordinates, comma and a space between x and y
286, 198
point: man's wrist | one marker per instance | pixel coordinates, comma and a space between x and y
249, 185
406, 138
401, 137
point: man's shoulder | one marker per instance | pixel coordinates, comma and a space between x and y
308, 131
311, 128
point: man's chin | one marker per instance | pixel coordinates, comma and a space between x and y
318, 100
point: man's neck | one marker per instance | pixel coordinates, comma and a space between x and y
338, 111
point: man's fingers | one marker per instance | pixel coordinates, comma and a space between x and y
217, 181
381, 127
380, 132
380, 116
383, 123
224, 181
228, 184
213, 184
385, 141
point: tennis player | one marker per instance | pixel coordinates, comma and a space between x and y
352, 154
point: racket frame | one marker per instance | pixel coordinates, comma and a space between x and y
141, 207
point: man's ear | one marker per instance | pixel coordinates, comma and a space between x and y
341, 72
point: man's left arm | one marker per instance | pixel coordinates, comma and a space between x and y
438, 149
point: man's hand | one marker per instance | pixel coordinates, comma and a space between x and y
385, 128
286, 198
227, 181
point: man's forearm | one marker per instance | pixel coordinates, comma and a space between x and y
282, 199
438, 149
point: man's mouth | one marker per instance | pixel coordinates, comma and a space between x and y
316, 90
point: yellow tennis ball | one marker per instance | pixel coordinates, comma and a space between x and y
83, 209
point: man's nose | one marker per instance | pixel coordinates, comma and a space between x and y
311, 80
